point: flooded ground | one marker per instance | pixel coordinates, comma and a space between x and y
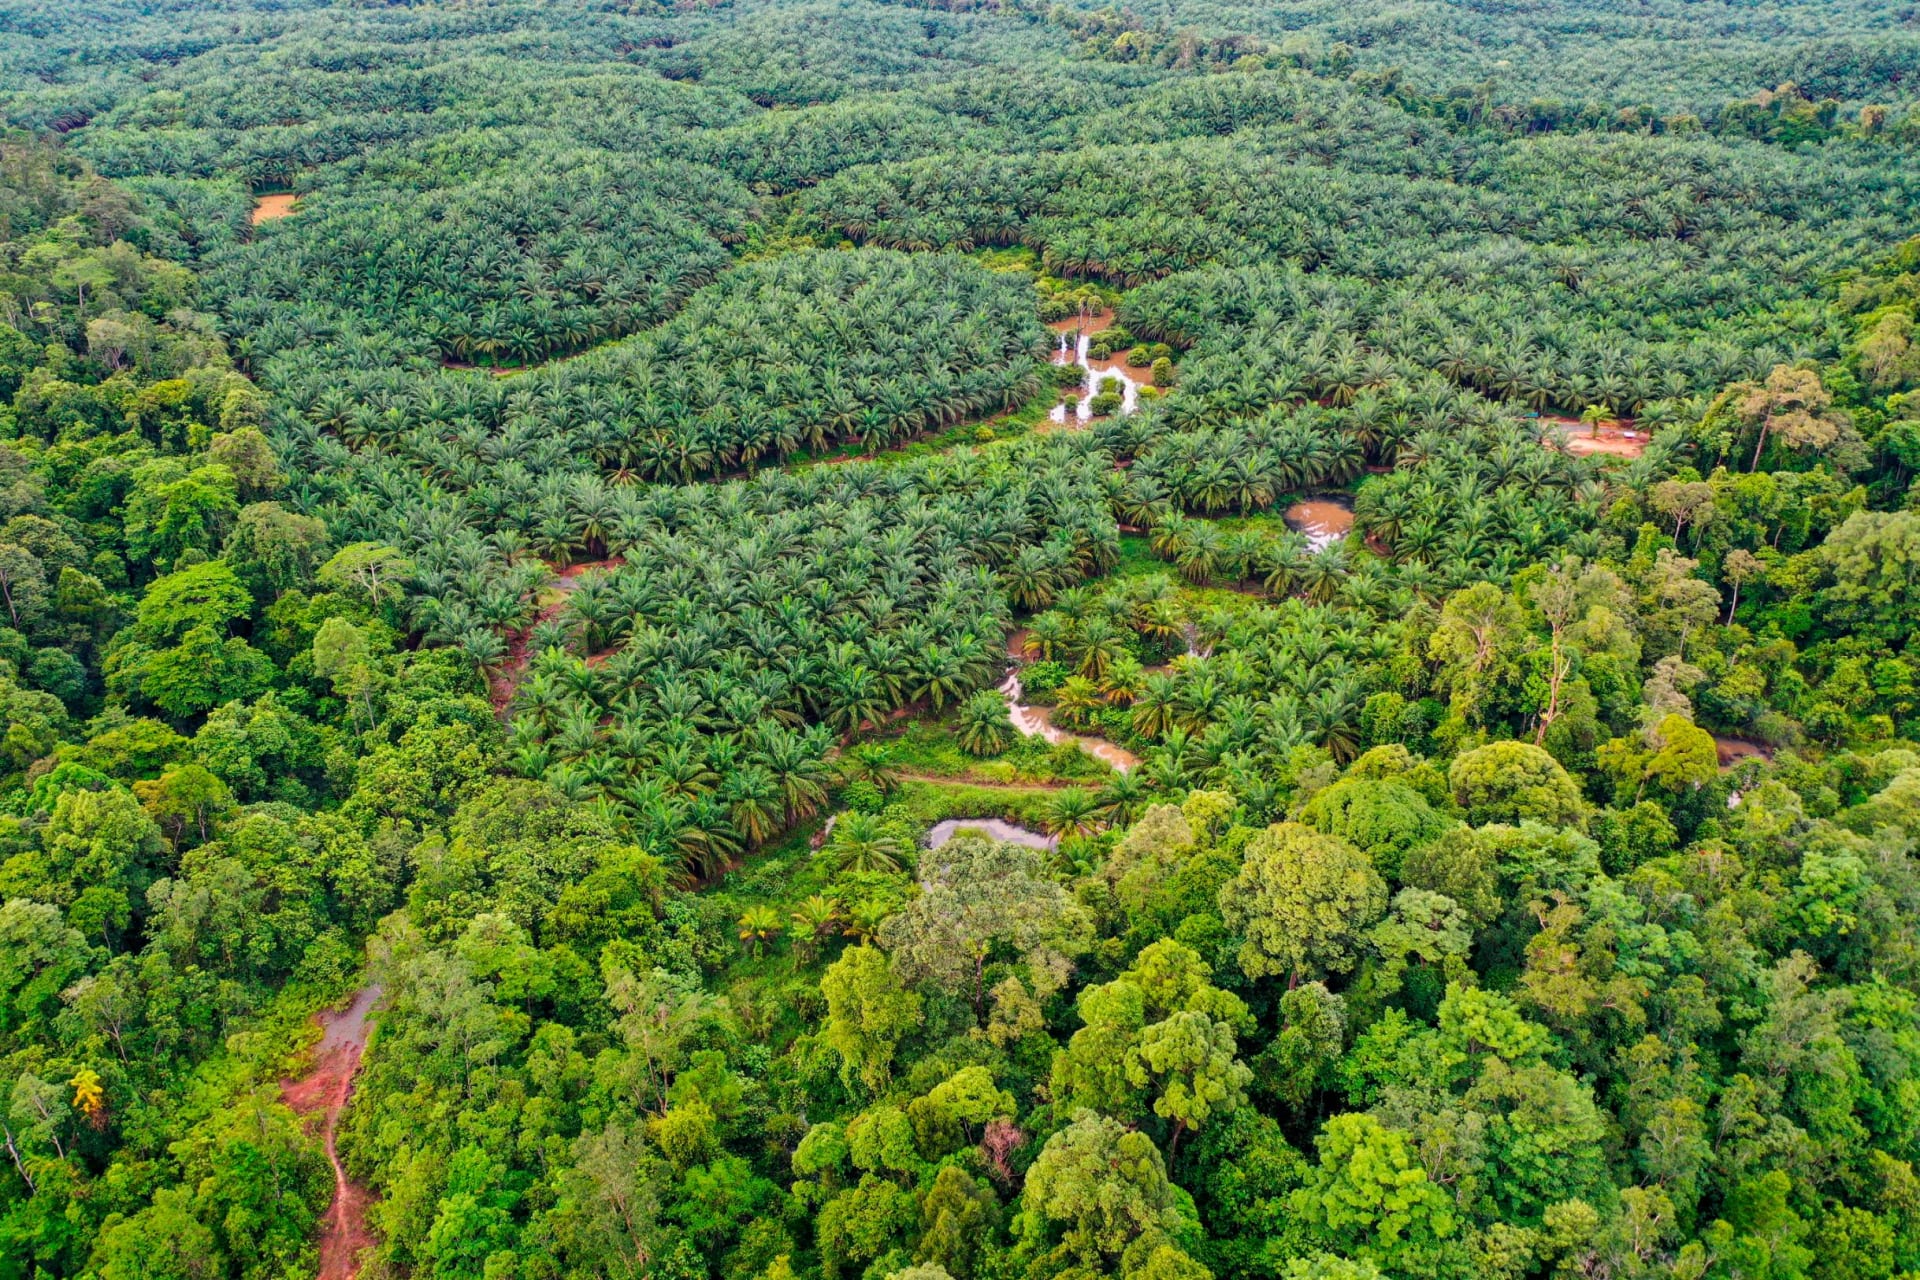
1324, 521
998, 828
1074, 350
1036, 722
267, 208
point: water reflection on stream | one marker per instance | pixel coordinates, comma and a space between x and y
1034, 722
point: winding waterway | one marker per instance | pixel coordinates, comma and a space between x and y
1035, 722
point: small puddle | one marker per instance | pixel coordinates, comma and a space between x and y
1324, 521
1034, 722
998, 828
1733, 750
268, 208
1097, 371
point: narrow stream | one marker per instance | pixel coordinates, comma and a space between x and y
1034, 722
1096, 374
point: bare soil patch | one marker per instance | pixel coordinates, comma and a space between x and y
1733, 750
462, 366
269, 208
1092, 323
1613, 437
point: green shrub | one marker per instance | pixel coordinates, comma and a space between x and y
1038, 680
862, 797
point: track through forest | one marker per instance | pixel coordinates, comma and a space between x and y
506, 680
324, 1091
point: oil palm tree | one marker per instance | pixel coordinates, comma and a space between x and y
862, 842
985, 727
1157, 708
1122, 799
871, 762
1071, 812
759, 926
1077, 701
813, 921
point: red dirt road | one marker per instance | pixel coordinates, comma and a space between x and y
323, 1091
506, 680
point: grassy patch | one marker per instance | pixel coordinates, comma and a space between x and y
1137, 559
929, 747
932, 802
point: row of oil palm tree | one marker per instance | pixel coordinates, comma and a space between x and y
699, 684
338, 89
1668, 249
1468, 504
798, 353
564, 253
1272, 333
1245, 467
783, 151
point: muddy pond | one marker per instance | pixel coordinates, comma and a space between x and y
998, 828
1324, 521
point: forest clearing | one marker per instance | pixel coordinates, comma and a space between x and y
268, 208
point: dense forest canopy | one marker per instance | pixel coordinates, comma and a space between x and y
823, 639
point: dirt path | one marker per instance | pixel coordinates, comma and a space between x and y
507, 679
324, 1091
